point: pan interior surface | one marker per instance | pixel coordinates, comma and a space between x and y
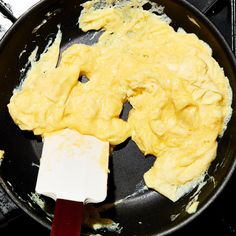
140, 211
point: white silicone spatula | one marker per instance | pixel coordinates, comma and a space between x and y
73, 171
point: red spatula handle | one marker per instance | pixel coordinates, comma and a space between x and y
67, 218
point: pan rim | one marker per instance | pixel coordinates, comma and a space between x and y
4, 184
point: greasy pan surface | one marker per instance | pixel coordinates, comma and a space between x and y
145, 212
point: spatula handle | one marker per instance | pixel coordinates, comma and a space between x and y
67, 218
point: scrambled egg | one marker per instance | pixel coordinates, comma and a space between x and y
180, 96
1, 155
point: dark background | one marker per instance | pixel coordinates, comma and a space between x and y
218, 219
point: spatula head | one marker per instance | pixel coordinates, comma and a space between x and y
73, 167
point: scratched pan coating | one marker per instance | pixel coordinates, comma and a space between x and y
145, 212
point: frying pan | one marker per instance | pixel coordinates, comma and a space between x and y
144, 212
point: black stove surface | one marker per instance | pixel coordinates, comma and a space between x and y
218, 219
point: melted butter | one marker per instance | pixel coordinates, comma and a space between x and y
180, 96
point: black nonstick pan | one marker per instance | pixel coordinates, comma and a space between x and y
143, 212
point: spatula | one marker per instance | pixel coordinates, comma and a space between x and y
73, 171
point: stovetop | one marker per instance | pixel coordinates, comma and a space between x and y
218, 219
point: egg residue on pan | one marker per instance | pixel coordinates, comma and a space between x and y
1, 155
180, 97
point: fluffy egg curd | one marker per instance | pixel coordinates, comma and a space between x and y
180, 97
